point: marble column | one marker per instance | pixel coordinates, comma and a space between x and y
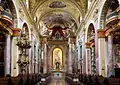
35, 57
70, 56
45, 56
32, 58
14, 52
38, 60
93, 59
14, 57
30, 61
88, 58
8, 55
101, 52
110, 57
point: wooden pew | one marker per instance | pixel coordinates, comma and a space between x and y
15, 80
3, 81
114, 81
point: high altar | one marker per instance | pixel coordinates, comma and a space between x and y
57, 59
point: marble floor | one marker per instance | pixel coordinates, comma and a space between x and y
58, 81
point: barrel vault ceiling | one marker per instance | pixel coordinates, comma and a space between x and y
49, 13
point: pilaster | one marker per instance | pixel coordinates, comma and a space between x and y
110, 56
14, 58
88, 58
71, 42
44, 42
8, 55
101, 52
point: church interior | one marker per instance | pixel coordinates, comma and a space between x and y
59, 42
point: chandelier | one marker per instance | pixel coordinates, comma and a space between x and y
24, 44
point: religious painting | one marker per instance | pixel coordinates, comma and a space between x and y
57, 58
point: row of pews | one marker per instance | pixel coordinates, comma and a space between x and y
31, 79
77, 79
72, 79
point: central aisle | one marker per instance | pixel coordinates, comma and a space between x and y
58, 81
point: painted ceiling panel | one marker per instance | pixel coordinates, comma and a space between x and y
70, 7
57, 12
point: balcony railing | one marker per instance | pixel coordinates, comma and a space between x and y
6, 16
112, 17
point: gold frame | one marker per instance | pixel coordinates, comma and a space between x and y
57, 48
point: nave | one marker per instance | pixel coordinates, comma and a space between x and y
42, 39
59, 78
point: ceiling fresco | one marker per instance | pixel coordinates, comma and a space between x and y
63, 13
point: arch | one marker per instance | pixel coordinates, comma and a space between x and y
25, 30
108, 5
50, 51
91, 56
16, 21
87, 28
90, 32
57, 57
29, 28
25, 27
8, 5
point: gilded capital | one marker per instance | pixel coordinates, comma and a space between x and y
88, 44
101, 33
16, 32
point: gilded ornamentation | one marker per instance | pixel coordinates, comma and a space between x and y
108, 31
113, 17
6, 27
16, 32
101, 33
88, 44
